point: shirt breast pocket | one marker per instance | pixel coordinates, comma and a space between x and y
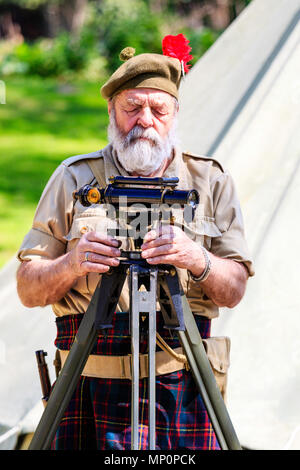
88, 221
204, 230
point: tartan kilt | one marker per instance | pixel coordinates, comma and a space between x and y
98, 416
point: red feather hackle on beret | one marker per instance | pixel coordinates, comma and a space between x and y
178, 47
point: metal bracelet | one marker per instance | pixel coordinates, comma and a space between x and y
207, 268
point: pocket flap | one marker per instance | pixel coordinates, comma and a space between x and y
206, 226
88, 223
218, 352
201, 225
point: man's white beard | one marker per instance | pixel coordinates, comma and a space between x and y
136, 155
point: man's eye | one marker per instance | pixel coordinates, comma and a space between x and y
132, 111
159, 112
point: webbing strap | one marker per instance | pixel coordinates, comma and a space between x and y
97, 168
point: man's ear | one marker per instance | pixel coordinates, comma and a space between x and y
109, 106
176, 106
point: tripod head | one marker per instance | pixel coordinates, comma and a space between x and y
157, 196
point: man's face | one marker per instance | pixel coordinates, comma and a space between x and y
142, 130
145, 107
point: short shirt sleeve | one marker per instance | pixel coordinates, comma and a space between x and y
228, 217
52, 220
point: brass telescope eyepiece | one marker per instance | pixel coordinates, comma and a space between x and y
88, 195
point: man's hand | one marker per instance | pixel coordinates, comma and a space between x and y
170, 245
42, 282
94, 253
227, 279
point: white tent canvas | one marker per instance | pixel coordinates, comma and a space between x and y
22, 332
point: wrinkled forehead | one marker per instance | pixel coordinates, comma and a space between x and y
146, 97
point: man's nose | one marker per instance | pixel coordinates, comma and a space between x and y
145, 117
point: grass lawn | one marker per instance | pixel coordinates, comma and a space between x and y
42, 123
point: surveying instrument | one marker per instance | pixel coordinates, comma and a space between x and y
160, 283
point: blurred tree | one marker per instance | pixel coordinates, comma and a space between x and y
64, 47
58, 15
217, 14
78, 33
68, 15
122, 23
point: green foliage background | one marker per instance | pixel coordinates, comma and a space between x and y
42, 123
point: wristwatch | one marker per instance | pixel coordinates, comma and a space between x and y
206, 271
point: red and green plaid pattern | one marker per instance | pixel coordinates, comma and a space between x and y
99, 413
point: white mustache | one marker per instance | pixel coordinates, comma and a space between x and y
138, 132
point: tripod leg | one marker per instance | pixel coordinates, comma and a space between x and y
67, 379
151, 361
135, 365
205, 379
202, 389
192, 344
79, 352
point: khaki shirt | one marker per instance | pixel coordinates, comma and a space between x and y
59, 222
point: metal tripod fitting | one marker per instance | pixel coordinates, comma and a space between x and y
142, 302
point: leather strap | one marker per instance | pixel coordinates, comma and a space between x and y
119, 367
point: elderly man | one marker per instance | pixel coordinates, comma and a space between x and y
68, 248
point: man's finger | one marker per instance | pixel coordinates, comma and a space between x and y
159, 251
101, 249
99, 259
163, 259
162, 231
164, 240
100, 238
96, 268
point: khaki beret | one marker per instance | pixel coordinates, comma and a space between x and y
156, 71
